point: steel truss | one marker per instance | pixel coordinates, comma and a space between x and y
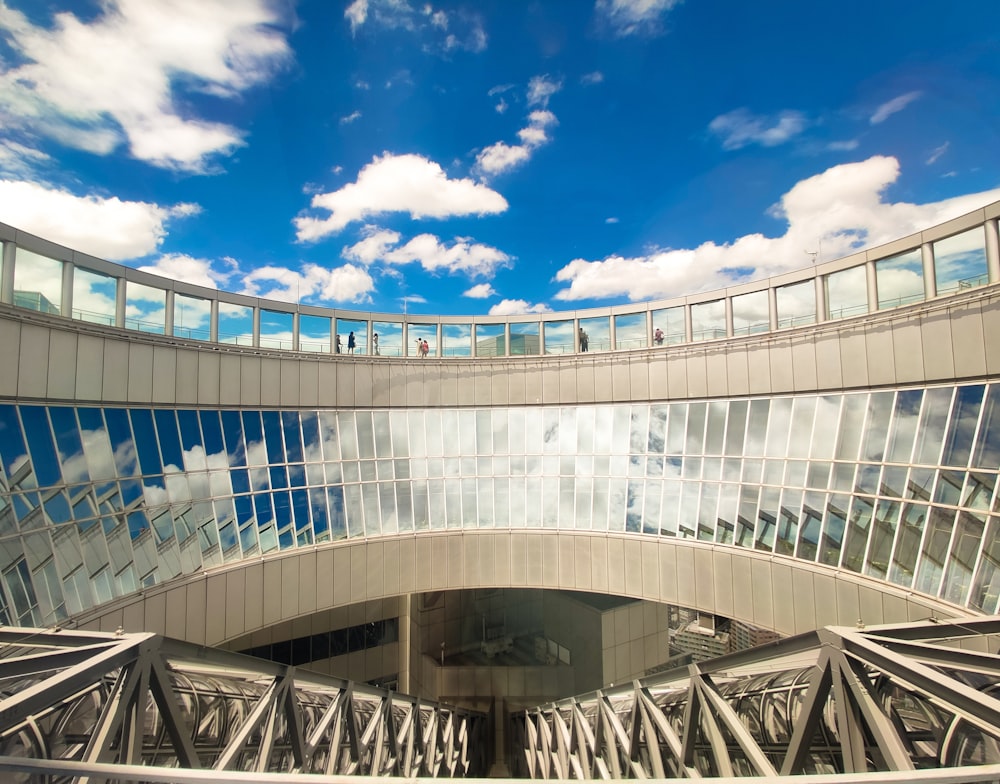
141, 699
838, 701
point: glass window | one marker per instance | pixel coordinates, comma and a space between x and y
524, 338
314, 333
456, 340
796, 304
987, 453
37, 282
964, 418
418, 333
353, 337
192, 317
847, 292
595, 334
630, 331
900, 280
933, 421
491, 340
145, 307
904, 559
708, 320
276, 329
94, 297
235, 324
390, 338
670, 321
960, 261
751, 313
558, 337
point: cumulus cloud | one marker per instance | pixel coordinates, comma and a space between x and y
889, 108
347, 119
127, 76
843, 208
480, 291
517, 307
398, 183
347, 283
501, 157
633, 17
541, 88
461, 256
105, 227
200, 272
439, 31
739, 128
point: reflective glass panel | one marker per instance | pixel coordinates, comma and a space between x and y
94, 297
595, 334
708, 320
491, 340
456, 340
390, 338
145, 307
847, 293
751, 313
900, 280
235, 324
796, 304
960, 261
524, 338
418, 333
630, 331
37, 282
192, 317
353, 336
558, 337
670, 321
314, 333
275, 329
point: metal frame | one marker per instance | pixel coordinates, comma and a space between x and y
157, 702
847, 701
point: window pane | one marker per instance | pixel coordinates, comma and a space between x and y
456, 340
524, 338
353, 336
708, 320
390, 338
94, 297
235, 324
418, 334
847, 293
900, 280
595, 334
671, 322
751, 313
145, 307
275, 329
314, 333
491, 340
558, 337
630, 331
37, 282
960, 261
796, 304
192, 317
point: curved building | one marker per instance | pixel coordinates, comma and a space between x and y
820, 448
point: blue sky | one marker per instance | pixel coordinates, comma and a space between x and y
492, 156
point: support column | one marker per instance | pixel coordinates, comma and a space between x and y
822, 310
66, 294
772, 308
295, 331
613, 333
439, 351
729, 317
256, 326
992, 250
168, 313
871, 285
213, 321
7, 273
688, 325
121, 298
930, 279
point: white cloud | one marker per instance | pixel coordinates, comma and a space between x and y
105, 227
349, 118
501, 107
127, 75
594, 77
889, 108
937, 153
541, 88
740, 128
633, 17
440, 32
480, 291
842, 208
612, 219
178, 266
398, 183
501, 157
461, 256
844, 145
517, 307
20, 161
347, 283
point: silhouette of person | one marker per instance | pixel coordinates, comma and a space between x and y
375, 344
350, 343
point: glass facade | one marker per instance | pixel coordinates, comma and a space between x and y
98, 502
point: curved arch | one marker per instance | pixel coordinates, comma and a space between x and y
783, 594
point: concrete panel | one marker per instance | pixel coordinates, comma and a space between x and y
133, 617
61, 382
968, 342
324, 578
483, 388
621, 380
549, 548
89, 367
499, 392
274, 587
518, 559
782, 603
308, 383
140, 373
234, 596
583, 563
359, 568
616, 566
441, 558
759, 369
155, 616
374, 575
327, 384
380, 385
669, 583
677, 383
229, 379
186, 381
342, 575
10, 352
907, 351
716, 373
697, 375
782, 377
804, 376
991, 335
517, 386
176, 613
762, 592
804, 599
657, 370
33, 366
209, 375
829, 374
632, 569
722, 574
881, 357
270, 381
470, 561
289, 387
250, 382
848, 603
585, 384
164, 374
704, 584
532, 385
199, 609
390, 578
854, 358
937, 345
455, 549
825, 599
687, 595
737, 371
650, 569
599, 579
567, 563
501, 557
